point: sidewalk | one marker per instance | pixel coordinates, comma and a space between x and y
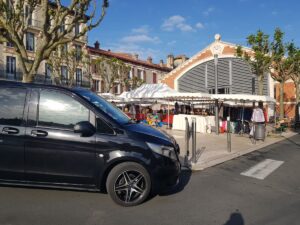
212, 149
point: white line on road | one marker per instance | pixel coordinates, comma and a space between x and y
263, 169
177, 136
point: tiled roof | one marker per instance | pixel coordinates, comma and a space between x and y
127, 58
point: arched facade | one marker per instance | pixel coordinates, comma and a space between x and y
234, 75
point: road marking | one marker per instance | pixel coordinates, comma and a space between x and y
263, 169
177, 136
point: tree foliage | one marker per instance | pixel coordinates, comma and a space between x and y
260, 60
294, 55
282, 65
15, 22
112, 71
72, 59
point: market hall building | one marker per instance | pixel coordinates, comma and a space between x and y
234, 74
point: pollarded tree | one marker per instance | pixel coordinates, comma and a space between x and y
72, 60
112, 72
294, 55
282, 65
15, 23
260, 60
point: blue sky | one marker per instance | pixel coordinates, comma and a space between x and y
159, 27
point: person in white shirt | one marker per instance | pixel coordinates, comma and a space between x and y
257, 117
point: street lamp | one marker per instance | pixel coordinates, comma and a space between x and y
253, 84
216, 92
253, 88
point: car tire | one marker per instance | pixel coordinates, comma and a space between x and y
128, 184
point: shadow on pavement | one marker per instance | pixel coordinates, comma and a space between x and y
292, 141
235, 218
184, 179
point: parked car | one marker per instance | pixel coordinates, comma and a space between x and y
72, 138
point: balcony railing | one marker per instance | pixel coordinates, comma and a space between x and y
34, 23
42, 79
16, 76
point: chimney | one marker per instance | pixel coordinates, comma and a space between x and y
136, 56
161, 63
97, 45
149, 59
170, 61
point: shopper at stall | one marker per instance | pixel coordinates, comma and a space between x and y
257, 117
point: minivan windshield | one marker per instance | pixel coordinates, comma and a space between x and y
111, 110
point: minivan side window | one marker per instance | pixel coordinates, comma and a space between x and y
59, 110
12, 101
103, 127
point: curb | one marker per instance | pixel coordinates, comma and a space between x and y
213, 162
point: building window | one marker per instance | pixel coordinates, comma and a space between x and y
96, 85
78, 52
116, 89
30, 41
77, 28
64, 75
28, 15
140, 74
10, 65
64, 49
9, 44
154, 78
78, 77
62, 27
48, 71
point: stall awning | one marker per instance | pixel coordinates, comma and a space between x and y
243, 97
148, 91
188, 96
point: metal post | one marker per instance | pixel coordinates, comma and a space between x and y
228, 135
187, 136
168, 114
194, 159
216, 92
217, 116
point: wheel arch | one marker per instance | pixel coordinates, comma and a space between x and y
102, 184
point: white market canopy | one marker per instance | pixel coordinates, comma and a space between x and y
148, 91
163, 91
188, 96
243, 97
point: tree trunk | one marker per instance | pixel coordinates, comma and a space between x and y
260, 79
28, 77
297, 102
281, 105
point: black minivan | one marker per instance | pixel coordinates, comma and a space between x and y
59, 137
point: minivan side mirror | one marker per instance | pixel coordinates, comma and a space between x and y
85, 128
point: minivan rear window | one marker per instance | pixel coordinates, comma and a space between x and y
12, 101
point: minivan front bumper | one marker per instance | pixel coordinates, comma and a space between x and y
166, 174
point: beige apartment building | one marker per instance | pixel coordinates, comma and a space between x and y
9, 65
145, 70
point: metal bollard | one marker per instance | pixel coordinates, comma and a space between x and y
194, 132
228, 135
187, 136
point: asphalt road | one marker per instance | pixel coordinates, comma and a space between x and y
218, 195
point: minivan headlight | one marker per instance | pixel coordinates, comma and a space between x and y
163, 150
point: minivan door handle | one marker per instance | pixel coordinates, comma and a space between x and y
10, 130
39, 133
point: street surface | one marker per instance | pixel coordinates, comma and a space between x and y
261, 188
